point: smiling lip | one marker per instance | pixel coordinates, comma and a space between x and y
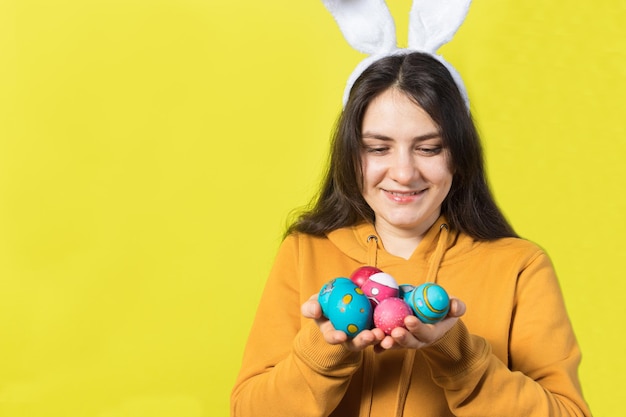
403, 197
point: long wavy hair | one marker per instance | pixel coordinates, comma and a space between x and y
469, 206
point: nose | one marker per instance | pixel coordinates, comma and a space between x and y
403, 168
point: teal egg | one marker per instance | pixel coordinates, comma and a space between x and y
346, 306
327, 288
430, 302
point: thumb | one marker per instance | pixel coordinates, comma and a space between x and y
311, 308
457, 307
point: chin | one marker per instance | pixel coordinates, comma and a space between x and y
412, 222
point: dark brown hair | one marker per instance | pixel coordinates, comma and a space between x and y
468, 207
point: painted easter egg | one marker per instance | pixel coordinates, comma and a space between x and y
360, 275
380, 286
390, 313
404, 289
348, 309
429, 302
327, 288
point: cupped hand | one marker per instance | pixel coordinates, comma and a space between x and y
418, 335
311, 309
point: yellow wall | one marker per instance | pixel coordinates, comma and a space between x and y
150, 152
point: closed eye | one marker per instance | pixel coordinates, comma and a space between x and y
429, 150
376, 150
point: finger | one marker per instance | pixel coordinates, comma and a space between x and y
380, 335
413, 324
387, 343
457, 308
422, 332
369, 338
335, 337
361, 341
403, 338
311, 308
427, 334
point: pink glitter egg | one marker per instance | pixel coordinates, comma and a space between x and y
380, 286
390, 313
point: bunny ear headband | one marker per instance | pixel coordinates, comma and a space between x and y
369, 28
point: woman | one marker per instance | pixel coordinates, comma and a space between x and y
406, 192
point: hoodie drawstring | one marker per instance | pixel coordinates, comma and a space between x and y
368, 383
435, 260
405, 381
409, 356
368, 354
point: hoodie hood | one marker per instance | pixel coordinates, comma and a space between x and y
363, 244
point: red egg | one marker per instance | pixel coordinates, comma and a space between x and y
390, 313
360, 275
380, 286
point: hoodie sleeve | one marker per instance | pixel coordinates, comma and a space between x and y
541, 379
288, 369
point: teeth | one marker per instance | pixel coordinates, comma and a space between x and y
402, 194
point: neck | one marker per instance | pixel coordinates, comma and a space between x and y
399, 244
402, 242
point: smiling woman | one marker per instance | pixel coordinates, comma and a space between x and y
406, 193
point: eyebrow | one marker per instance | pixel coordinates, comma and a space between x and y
426, 136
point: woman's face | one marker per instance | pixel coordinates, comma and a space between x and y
406, 174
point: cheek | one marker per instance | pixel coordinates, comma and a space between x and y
447, 162
372, 173
445, 180
437, 171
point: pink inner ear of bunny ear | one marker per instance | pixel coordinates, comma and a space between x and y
367, 25
433, 23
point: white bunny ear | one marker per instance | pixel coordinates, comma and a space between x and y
433, 23
367, 25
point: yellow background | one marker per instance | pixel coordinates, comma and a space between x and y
152, 150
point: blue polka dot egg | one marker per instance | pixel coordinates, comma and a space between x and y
429, 302
346, 306
327, 288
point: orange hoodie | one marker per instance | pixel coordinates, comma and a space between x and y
513, 353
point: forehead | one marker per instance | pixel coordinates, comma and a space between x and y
393, 113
